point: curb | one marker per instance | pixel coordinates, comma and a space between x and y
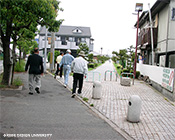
19, 88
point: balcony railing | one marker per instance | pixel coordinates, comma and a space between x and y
145, 36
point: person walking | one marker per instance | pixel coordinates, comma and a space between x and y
58, 60
66, 62
36, 69
79, 69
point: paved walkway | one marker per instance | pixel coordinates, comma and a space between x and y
157, 113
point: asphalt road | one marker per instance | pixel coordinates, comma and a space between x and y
52, 115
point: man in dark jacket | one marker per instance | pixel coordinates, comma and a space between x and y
36, 69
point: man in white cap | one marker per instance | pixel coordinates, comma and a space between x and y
66, 62
79, 69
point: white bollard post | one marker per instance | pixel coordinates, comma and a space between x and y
134, 109
97, 88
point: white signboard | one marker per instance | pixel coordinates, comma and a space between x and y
168, 79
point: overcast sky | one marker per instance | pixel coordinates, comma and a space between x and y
111, 21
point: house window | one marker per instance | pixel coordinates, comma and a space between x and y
172, 61
82, 39
173, 14
77, 40
77, 31
64, 40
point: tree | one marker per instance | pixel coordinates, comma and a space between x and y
130, 57
83, 47
56, 53
90, 57
102, 58
121, 56
17, 15
26, 41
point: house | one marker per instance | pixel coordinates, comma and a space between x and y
163, 17
95, 54
68, 37
161, 72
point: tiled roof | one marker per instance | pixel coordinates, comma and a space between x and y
70, 31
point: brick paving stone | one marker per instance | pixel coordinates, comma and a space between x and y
157, 119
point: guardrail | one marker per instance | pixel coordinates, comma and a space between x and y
127, 76
93, 75
110, 75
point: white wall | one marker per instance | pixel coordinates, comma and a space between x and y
155, 73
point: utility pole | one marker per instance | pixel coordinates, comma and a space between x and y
152, 41
45, 51
139, 8
52, 50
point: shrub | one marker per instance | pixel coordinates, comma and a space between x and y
118, 67
131, 71
91, 65
125, 71
95, 64
17, 82
20, 66
1, 56
56, 53
137, 74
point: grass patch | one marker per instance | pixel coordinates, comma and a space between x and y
98, 64
92, 105
20, 67
166, 99
85, 99
16, 83
118, 68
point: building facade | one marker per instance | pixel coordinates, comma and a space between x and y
68, 37
163, 17
161, 74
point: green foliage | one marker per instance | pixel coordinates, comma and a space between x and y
130, 57
117, 68
91, 65
114, 58
19, 16
85, 99
102, 59
122, 55
90, 57
56, 53
125, 71
17, 82
26, 42
137, 74
33, 45
20, 66
83, 47
1, 56
92, 105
